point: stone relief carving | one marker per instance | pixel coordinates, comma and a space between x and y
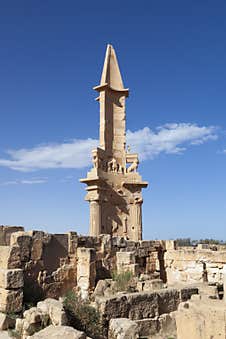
133, 167
95, 161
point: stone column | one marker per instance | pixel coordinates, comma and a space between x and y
86, 270
136, 221
95, 218
139, 220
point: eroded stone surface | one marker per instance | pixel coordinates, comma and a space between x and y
6, 322
11, 279
201, 319
10, 257
123, 328
59, 332
11, 301
55, 310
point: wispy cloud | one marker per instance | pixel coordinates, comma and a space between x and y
169, 138
74, 154
24, 182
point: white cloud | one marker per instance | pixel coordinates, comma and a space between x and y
169, 138
74, 154
24, 182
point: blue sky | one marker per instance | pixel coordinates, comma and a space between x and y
172, 55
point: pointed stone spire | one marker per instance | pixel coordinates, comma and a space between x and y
111, 75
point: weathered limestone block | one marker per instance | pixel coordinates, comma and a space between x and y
114, 307
126, 262
119, 242
101, 287
123, 328
187, 292
11, 279
133, 306
36, 249
66, 274
150, 285
167, 325
11, 300
168, 301
5, 233
86, 270
88, 242
6, 322
148, 327
201, 319
55, 310
143, 305
72, 242
147, 243
53, 332
10, 257
39, 240
23, 240
106, 245
46, 312
194, 265
5, 335
32, 322
19, 325
125, 258
163, 326
170, 245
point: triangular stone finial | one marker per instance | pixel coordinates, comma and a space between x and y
111, 73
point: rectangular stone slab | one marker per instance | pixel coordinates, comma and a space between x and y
11, 301
11, 279
10, 257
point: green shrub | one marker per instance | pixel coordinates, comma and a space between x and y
13, 333
82, 315
123, 281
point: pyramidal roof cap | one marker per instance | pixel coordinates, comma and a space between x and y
111, 76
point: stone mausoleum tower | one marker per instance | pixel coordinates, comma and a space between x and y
113, 184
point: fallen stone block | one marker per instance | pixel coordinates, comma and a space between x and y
5, 233
167, 325
23, 240
142, 305
168, 300
55, 310
11, 301
5, 335
11, 279
10, 257
123, 328
32, 322
54, 332
147, 327
6, 322
187, 292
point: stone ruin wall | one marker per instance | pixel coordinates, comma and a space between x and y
204, 263
36, 265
